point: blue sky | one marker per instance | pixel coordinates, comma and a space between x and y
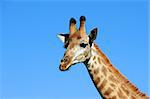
31, 52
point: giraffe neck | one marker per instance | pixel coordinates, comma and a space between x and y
109, 82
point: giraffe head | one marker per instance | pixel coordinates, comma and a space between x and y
77, 44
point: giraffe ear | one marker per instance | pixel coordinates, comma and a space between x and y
63, 37
93, 35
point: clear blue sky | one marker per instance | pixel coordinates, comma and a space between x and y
31, 52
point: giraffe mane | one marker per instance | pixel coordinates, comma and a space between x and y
120, 76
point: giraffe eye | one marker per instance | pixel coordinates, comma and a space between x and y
83, 45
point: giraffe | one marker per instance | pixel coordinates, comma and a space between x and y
80, 48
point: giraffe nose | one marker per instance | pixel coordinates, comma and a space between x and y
64, 63
62, 67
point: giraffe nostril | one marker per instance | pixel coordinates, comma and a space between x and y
63, 66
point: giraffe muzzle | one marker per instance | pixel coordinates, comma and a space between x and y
64, 63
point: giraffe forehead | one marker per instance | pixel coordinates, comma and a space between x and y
75, 35
77, 38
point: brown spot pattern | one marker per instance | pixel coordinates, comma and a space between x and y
121, 95
133, 97
108, 91
96, 71
99, 60
94, 57
97, 80
125, 90
104, 70
95, 63
119, 76
92, 66
109, 70
113, 79
113, 85
102, 85
113, 97
79, 37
